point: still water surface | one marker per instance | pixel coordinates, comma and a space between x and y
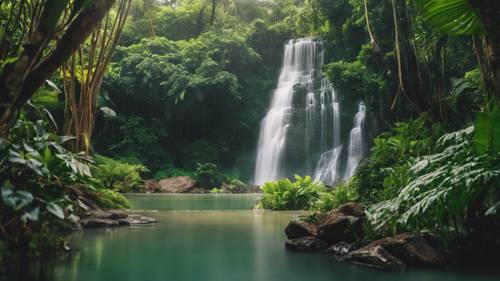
207, 238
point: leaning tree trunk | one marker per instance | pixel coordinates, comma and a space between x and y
489, 13
21, 79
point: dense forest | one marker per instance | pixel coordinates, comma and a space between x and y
101, 98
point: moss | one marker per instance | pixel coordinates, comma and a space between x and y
110, 199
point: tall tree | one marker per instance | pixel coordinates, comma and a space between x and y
52, 31
83, 75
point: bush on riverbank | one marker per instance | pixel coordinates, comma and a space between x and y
117, 175
287, 195
41, 181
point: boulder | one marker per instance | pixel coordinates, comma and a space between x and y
343, 224
177, 185
298, 229
112, 218
376, 257
305, 244
151, 186
106, 215
136, 220
415, 250
340, 250
92, 222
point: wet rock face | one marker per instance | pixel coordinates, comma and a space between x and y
305, 244
340, 250
177, 185
343, 224
376, 257
415, 250
298, 229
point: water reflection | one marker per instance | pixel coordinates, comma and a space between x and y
206, 246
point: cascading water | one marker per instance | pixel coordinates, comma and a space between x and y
298, 66
297, 137
356, 148
327, 167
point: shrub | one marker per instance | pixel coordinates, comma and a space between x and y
234, 186
118, 176
340, 194
110, 199
206, 175
169, 171
384, 171
287, 195
216, 191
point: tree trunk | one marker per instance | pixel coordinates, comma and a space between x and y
21, 79
489, 13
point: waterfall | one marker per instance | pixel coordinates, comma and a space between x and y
355, 154
327, 167
303, 122
298, 67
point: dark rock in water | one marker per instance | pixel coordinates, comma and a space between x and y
305, 244
177, 185
340, 250
376, 257
109, 214
112, 218
98, 223
298, 229
139, 220
343, 224
416, 250
412, 250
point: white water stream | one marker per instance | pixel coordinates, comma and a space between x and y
321, 122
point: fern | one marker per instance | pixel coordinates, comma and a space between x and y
442, 187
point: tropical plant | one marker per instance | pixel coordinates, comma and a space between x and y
118, 176
464, 17
35, 173
447, 191
338, 195
380, 176
287, 195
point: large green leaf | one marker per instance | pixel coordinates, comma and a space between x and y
15, 199
487, 132
455, 17
55, 209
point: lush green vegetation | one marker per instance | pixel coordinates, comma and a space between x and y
305, 194
179, 88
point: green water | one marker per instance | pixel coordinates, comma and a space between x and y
205, 245
196, 202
